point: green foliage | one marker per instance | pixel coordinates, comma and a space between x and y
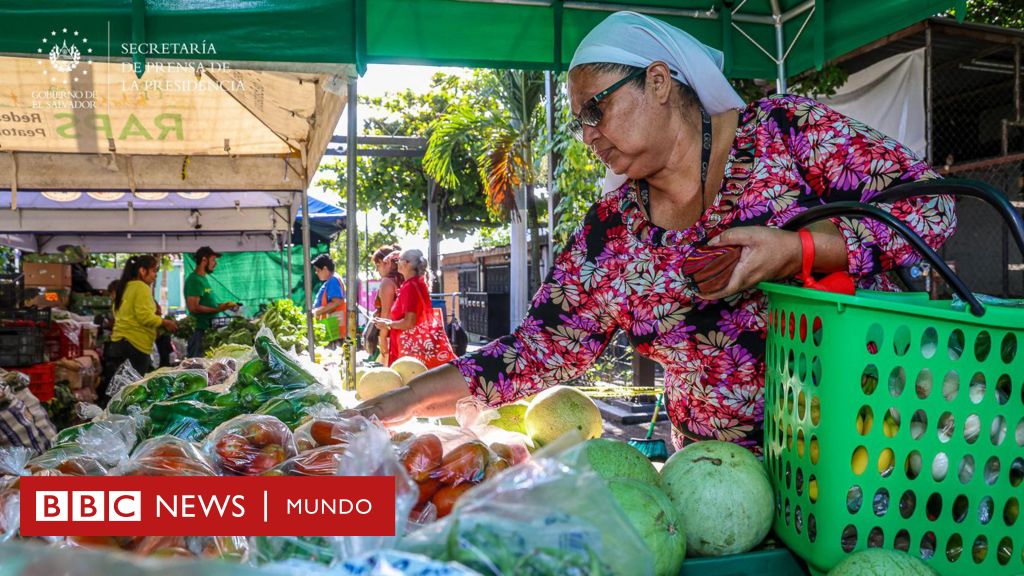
1005, 13
500, 127
577, 176
6, 260
397, 187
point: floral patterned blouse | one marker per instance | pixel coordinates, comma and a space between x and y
621, 272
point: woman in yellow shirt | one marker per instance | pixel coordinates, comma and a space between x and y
136, 319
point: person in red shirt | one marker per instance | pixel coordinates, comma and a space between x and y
413, 329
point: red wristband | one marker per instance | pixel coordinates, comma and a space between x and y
837, 282
807, 256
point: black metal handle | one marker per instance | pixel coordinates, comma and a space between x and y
836, 209
958, 188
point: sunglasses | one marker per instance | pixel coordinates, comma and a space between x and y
590, 114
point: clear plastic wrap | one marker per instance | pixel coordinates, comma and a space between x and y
166, 456
327, 427
24, 559
322, 461
156, 387
295, 407
124, 376
370, 453
89, 449
187, 419
250, 445
541, 517
392, 562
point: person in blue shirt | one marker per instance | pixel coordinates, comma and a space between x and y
330, 300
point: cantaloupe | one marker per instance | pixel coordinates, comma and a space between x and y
408, 368
377, 381
560, 409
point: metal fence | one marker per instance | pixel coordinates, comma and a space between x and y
974, 102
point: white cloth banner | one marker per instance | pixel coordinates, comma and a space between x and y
889, 97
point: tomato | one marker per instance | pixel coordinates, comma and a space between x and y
513, 453
319, 462
466, 463
495, 467
326, 433
427, 488
261, 434
447, 496
267, 458
423, 457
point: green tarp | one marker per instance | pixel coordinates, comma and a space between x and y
496, 34
255, 278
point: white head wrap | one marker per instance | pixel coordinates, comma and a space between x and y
637, 40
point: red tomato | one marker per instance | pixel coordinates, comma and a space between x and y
446, 497
466, 463
423, 457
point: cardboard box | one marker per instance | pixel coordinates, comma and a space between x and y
55, 276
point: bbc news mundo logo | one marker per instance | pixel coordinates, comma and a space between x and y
60, 54
88, 506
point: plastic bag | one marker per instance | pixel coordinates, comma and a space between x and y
156, 387
392, 562
326, 427
541, 517
23, 559
321, 461
89, 449
124, 376
295, 407
222, 368
187, 419
477, 417
370, 453
250, 445
166, 456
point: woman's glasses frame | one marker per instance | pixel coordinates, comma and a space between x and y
590, 113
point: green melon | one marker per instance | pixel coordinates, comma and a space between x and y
723, 497
878, 562
511, 417
654, 517
561, 409
617, 459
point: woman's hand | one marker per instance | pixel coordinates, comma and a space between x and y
391, 408
765, 254
169, 325
382, 323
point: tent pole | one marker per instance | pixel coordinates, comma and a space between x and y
284, 287
780, 50
352, 229
549, 96
433, 234
307, 280
290, 283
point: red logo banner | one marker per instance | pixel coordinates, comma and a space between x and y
208, 506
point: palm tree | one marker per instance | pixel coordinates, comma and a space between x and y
505, 138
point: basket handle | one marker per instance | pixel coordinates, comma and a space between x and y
959, 187
846, 208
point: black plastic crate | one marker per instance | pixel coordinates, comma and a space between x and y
21, 346
12, 290
40, 315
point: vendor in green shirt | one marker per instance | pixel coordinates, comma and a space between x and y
200, 301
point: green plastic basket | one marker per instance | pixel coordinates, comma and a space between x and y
333, 328
896, 422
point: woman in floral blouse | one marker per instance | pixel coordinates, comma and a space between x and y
702, 171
